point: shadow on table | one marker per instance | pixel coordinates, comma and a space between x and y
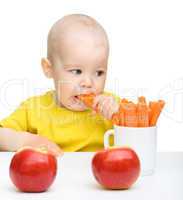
95, 186
14, 190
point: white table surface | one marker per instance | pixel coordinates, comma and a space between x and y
75, 181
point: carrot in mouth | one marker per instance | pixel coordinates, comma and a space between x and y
88, 99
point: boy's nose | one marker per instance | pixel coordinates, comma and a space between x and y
86, 82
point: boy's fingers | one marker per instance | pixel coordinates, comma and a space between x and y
56, 150
53, 149
42, 142
103, 102
104, 108
97, 101
110, 112
111, 108
116, 107
107, 108
106, 105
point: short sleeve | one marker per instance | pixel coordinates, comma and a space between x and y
18, 119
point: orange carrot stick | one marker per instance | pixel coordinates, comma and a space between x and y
142, 115
122, 111
122, 118
142, 99
151, 105
116, 119
124, 101
130, 110
156, 108
142, 112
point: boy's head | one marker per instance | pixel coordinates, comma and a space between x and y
77, 58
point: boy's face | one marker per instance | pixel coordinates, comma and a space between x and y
80, 69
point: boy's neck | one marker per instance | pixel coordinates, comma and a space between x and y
57, 102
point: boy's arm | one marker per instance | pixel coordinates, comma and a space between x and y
11, 140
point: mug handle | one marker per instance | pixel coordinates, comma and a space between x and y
106, 137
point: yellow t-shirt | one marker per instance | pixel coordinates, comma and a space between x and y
71, 130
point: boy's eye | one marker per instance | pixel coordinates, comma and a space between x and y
100, 73
76, 71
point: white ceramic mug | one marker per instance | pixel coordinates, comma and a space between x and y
142, 140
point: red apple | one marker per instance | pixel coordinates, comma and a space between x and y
33, 170
116, 168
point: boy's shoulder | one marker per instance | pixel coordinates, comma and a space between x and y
44, 99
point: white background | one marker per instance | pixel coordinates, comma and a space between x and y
146, 57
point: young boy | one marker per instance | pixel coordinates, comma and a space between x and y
76, 60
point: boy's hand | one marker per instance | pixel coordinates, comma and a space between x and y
105, 105
37, 141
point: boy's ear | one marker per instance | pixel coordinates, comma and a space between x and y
47, 67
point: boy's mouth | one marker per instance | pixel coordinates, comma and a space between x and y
76, 96
77, 100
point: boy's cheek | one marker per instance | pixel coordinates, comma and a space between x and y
100, 87
64, 89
